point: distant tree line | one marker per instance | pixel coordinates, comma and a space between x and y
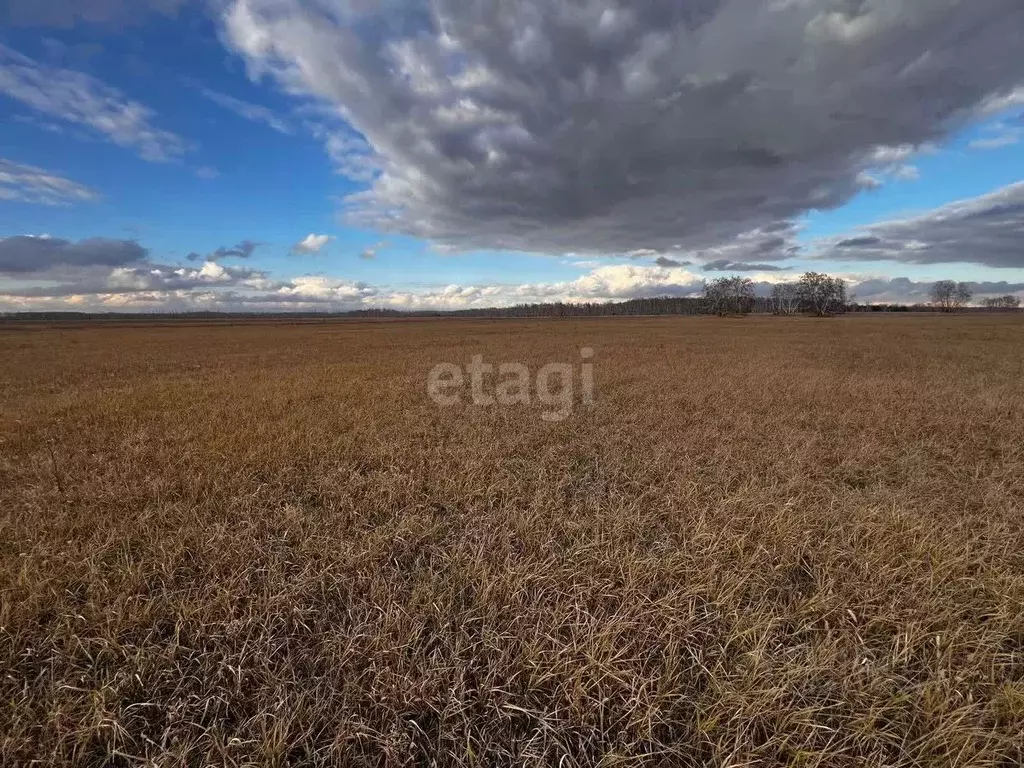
663, 305
1002, 302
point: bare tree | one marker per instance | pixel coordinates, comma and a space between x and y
785, 299
821, 295
1002, 302
950, 296
729, 296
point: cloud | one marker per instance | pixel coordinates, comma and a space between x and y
146, 278
774, 243
207, 172
241, 251
351, 155
41, 273
253, 112
29, 184
619, 281
996, 142
642, 253
1003, 136
26, 254
320, 289
370, 253
1008, 98
986, 230
907, 173
154, 287
65, 13
867, 180
890, 163
724, 265
311, 243
43, 125
859, 242
903, 290
143, 285
83, 100
664, 261
595, 126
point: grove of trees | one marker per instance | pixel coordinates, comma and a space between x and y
729, 296
821, 295
815, 293
949, 296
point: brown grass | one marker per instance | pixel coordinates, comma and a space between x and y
772, 542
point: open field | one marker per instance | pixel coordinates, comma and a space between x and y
769, 542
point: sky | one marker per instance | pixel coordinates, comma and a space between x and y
283, 155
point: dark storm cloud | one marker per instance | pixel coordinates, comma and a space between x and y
22, 255
664, 261
987, 230
598, 125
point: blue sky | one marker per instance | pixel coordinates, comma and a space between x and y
444, 161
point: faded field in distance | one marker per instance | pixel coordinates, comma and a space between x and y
770, 541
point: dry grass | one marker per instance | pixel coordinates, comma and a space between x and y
772, 542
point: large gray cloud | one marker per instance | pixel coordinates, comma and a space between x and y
986, 230
606, 126
26, 255
903, 290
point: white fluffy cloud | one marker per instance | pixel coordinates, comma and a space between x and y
81, 99
28, 184
605, 126
311, 243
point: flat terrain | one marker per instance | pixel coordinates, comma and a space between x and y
768, 542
